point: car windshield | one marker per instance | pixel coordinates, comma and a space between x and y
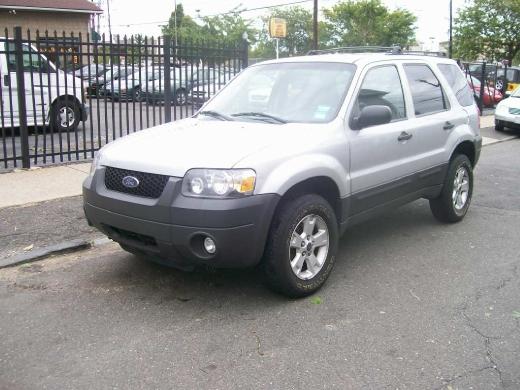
308, 92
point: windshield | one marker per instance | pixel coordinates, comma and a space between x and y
310, 92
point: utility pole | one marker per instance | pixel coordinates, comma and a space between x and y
315, 26
451, 28
109, 21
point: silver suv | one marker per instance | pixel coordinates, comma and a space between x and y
279, 163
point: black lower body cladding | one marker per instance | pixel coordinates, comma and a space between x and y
172, 228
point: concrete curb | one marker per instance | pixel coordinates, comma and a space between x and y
52, 250
497, 141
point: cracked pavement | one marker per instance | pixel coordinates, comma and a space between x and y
411, 304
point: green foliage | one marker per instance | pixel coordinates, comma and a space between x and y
227, 29
368, 22
489, 29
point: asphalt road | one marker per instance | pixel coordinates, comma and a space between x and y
106, 121
411, 304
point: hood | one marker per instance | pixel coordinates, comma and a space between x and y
174, 148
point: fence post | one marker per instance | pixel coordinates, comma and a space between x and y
167, 80
245, 54
20, 87
504, 81
482, 86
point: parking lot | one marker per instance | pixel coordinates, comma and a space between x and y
411, 304
107, 121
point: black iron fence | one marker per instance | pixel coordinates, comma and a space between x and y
65, 96
490, 82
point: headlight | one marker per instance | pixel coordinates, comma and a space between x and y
95, 162
219, 183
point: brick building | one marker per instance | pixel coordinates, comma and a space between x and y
70, 16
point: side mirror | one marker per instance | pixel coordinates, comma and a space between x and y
372, 116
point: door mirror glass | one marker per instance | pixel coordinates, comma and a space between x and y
372, 116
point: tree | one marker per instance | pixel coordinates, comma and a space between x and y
489, 29
369, 22
227, 28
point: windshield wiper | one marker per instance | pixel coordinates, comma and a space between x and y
217, 115
261, 115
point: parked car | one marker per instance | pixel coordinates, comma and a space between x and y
130, 87
182, 80
204, 89
102, 84
54, 98
507, 113
90, 72
249, 181
490, 97
509, 77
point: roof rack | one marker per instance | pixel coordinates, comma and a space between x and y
395, 50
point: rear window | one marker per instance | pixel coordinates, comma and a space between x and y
458, 83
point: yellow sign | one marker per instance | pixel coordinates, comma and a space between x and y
277, 28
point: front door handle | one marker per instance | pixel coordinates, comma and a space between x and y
448, 126
404, 136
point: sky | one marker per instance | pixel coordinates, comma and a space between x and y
133, 16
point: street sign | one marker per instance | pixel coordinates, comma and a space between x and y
277, 28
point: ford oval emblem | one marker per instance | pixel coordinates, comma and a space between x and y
130, 182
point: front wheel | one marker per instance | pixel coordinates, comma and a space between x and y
455, 198
65, 115
499, 125
302, 245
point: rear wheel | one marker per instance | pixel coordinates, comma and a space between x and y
455, 198
302, 245
65, 115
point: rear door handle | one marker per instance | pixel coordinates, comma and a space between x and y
404, 136
448, 126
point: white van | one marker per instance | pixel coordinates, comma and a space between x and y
52, 97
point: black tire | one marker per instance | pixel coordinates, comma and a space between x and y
499, 125
137, 95
276, 265
71, 108
181, 97
443, 207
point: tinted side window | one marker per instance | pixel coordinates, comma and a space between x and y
458, 83
427, 93
382, 86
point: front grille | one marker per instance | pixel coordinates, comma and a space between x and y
150, 185
514, 111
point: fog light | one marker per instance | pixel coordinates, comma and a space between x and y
209, 245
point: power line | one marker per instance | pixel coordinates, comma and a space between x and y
221, 14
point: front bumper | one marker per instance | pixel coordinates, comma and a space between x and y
507, 117
172, 228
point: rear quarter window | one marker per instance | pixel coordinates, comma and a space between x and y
457, 82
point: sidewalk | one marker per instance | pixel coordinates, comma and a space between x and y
40, 184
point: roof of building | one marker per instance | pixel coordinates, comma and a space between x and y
81, 6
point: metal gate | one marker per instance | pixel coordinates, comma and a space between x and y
64, 96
